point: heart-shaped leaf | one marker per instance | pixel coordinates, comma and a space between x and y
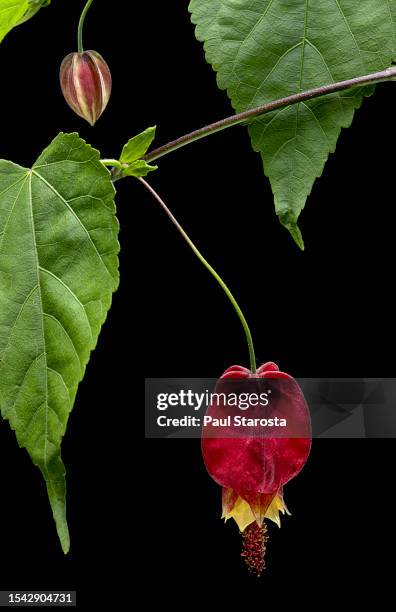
58, 270
263, 50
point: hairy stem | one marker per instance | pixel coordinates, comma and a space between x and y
213, 272
375, 77
81, 26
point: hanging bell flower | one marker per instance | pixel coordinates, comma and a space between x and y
85, 80
252, 467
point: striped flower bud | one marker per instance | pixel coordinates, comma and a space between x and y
85, 81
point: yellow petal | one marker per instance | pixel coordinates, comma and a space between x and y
241, 513
277, 505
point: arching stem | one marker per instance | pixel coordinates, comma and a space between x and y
253, 113
81, 26
213, 272
389, 74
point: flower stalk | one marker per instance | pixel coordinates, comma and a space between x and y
81, 26
213, 272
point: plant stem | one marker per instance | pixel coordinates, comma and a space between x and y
211, 270
375, 77
114, 163
81, 25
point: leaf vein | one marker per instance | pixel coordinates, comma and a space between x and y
21, 384
17, 319
62, 199
11, 212
71, 293
54, 318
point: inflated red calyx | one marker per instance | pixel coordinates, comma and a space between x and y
252, 469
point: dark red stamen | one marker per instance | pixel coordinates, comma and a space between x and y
254, 539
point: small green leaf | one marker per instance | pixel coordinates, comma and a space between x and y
58, 270
138, 168
137, 146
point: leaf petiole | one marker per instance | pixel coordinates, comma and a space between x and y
114, 163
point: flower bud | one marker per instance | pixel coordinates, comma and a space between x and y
85, 81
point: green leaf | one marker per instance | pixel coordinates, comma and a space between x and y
34, 7
138, 168
58, 270
11, 12
263, 50
137, 146
392, 9
15, 12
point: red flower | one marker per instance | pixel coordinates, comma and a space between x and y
253, 464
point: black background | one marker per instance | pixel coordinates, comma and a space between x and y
150, 510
